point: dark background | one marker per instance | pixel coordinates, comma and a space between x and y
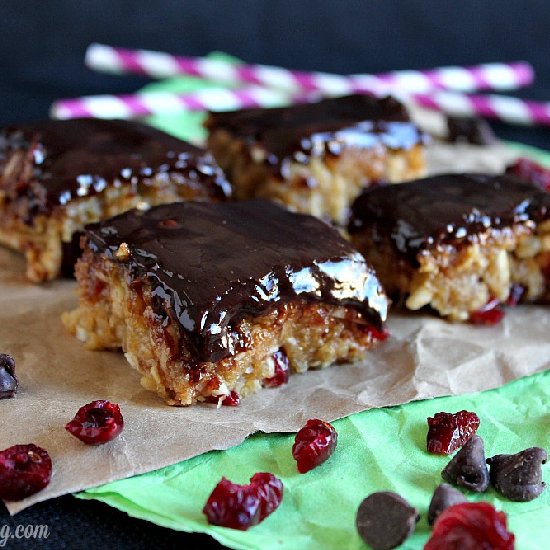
42, 46
42, 43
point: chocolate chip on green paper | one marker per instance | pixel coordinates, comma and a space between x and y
8, 380
467, 468
385, 520
443, 497
519, 476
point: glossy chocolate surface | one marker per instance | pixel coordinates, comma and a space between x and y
446, 209
311, 129
73, 159
212, 263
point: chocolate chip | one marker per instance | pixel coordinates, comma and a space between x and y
519, 477
384, 520
469, 130
443, 497
8, 380
467, 468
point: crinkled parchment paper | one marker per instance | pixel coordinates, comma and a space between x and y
425, 357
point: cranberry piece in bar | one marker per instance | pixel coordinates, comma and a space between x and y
24, 470
471, 526
490, 314
8, 380
447, 432
314, 444
232, 399
379, 335
281, 372
530, 171
96, 423
243, 506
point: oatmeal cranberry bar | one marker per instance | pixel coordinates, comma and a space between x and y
205, 298
315, 158
56, 176
459, 243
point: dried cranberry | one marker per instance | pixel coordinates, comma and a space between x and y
243, 506
376, 333
96, 423
447, 432
314, 443
24, 470
281, 372
380, 335
231, 400
168, 224
471, 526
530, 171
490, 314
232, 505
270, 492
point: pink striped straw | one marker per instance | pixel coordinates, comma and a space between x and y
497, 107
141, 105
507, 109
492, 76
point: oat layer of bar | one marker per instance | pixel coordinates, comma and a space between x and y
205, 299
315, 158
56, 176
457, 242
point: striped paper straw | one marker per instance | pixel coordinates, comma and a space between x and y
497, 107
140, 105
492, 76
507, 109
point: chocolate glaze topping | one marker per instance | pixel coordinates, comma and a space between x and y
311, 129
446, 209
70, 159
211, 264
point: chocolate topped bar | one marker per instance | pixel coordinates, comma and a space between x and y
300, 130
74, 159
58, 175
315, 158
447, 209
210, 264
464, 245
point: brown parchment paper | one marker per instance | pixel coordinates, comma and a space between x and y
425, 357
